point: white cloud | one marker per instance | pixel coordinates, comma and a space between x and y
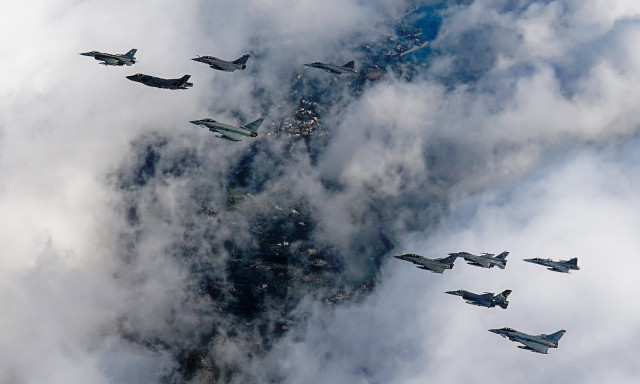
409, 331
551, 76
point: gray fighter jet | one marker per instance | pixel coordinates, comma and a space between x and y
539, 344
487, 299
223, 65
433, 265
113, 59
229, 132
557, 266
347, 68
486, 260
159, 82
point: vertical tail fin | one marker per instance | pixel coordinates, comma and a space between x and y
505, 293
131, 53
573, 262
556, 336
503, 255
242, 60
254, 125
184, 78
450, 259
349, 65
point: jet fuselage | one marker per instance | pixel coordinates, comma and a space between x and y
332, 68
562, 266
532, 343
113, 59
159, 82
486, 260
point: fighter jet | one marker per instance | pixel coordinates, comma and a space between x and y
158, 82
487, 299
113, 59
433, 265
223, 65
347, 68
229, 132
486, 260
557, 266
539, 344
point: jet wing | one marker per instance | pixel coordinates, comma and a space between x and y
535, 347
432, 267
230, 135
111, 60
479, 262
221, 67
559, 268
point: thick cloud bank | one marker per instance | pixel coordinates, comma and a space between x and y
138, 248
583, 205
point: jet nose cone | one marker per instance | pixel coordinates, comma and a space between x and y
455, 293
308, 65
86, 54
196, 122
496, 331
196, 59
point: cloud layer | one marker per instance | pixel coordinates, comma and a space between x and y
517, 132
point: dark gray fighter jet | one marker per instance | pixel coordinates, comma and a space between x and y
487, 299
159, 82
229, 132
486, 260
557, 266
347, 68
433, 265
113, 59
539, 344
223, 65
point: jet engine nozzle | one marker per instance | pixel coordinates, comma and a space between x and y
253, 134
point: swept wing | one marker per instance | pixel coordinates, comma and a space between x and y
533, 346
230, 135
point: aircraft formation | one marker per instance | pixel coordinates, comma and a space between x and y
540, 343
227, 132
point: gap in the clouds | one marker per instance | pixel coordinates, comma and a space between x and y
244, 226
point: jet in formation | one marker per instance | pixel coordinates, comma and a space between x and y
487, 299
113, 59
229, 132
433, 265
486, 260
223, 65
159, 82
347, 68
539, 344
557, 266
